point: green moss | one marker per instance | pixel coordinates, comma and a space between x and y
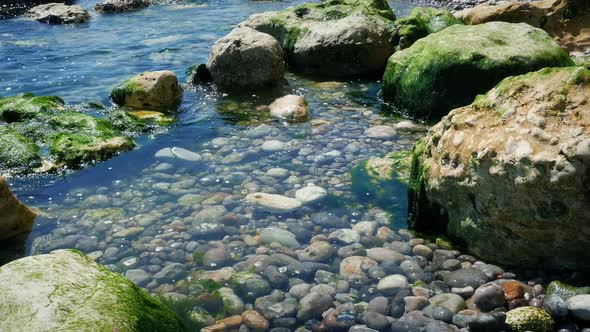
421, 22
75, 150
529, 319
565, 291
121, 91
17, 151
450, 68
27, 106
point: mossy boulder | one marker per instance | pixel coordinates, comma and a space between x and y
29, 123
334, 38
378, 179
565, 291
421, 22
156, 91
529, 319
67, 291
505, 172
449, 68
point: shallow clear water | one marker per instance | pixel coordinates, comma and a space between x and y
160, 199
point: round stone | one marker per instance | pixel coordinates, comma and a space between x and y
579, 307
273, 146
392, 284
380, 132
310, 194
274, 203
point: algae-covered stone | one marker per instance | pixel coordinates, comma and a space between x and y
421, 22
529, 319
565, 291
506, 172
27, 106
337, 38
378, 179
449, 68
158, 90
17, 151
67, 291
15, 217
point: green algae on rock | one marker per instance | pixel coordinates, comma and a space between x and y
29, 122
378, 179
158, 90
449, 68
67, 291
529, 319
337, 38
421, 22
565, 291
503, 173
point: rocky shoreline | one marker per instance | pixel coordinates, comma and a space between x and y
294, 222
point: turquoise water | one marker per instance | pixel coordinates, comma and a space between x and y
159, 199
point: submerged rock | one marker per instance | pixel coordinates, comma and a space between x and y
66, 290
118, 6
246, 58
157, 90
15, 217
292, 108
73, 138
421, 22
564, 20
449, 68
58, 13
274, 203
511, 171
332, 38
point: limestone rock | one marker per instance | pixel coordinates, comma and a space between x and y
449, 68
67, 291
339, 39
157, 90
246, 58
58, 13
507, 172
15, 217
292, 108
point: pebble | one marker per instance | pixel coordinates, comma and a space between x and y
310, 194
392, 284
489, 297
274, 203
272, 146
344, 236
380, 132
579, 307
273, 234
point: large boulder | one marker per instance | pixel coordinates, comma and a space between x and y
58, 13
156, 90
564, 20
246, 58
449, 68
512, 171
119, 6
421, 22
29, 122
15, 217
344, 38
67, 291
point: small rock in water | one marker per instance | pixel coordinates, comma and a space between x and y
273, 146
178, 153
310, 194
58, 13
278, 172
281, 236
292, 108
380, 132
274, 203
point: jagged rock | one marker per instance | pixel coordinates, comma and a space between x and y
511, 170
58, 13
119, 6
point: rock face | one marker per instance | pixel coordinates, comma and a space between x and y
449, 68
157, 90
292, 108
345, 38
58, 13
67, 291
511, 170
421, 22
118, 6
564, 20
246, 58
15, 217
73, 138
